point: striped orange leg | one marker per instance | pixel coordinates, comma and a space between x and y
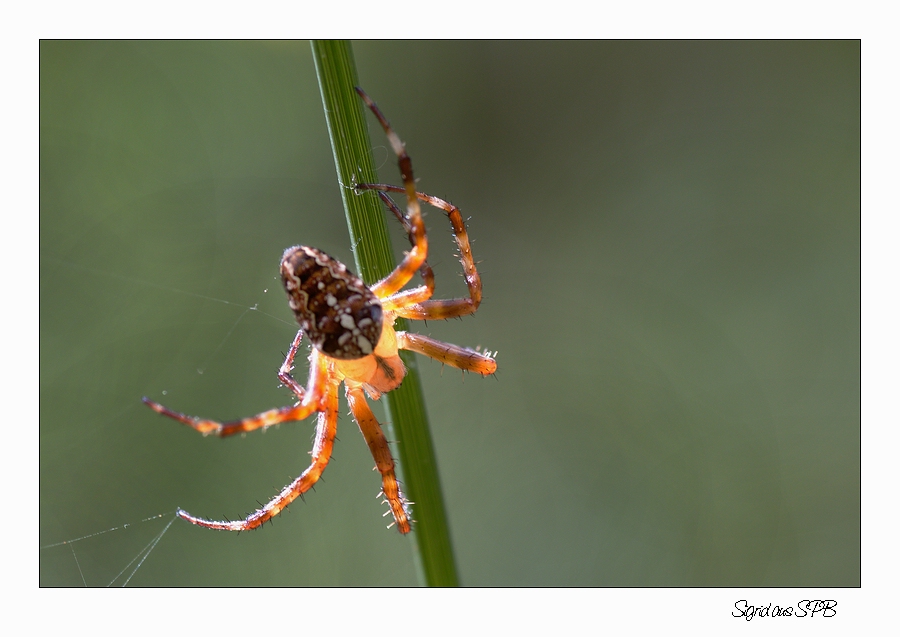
459, 357
422, 292
415, 257
284, 372
326, 429
384, 462
439, 309
310, 402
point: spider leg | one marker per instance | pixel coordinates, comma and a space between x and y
378, 445
326, 429
425, 271
459, 357
284, 372
312, 398
416, 225
417, 294
438, 309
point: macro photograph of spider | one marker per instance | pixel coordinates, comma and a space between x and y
661, 239
351, 329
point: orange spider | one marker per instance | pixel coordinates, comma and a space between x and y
351, 328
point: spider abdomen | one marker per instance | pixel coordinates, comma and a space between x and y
339, 314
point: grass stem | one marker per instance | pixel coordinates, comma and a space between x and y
366, 219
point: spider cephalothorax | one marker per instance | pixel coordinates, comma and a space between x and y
351, 328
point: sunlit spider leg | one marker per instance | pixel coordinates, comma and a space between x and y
459, 357
378, 445
422, 292
326, 429
284, 372
309, 404
425, 271
444, 308
415, 257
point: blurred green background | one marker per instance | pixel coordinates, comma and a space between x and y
669, 239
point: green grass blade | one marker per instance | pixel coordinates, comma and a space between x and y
366, 219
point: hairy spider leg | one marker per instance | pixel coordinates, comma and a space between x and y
309, 403
326, 430
378, 446
427, 274
413, 259
442, 308
284, 372
460, 357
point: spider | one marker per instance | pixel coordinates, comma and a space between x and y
351, 329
